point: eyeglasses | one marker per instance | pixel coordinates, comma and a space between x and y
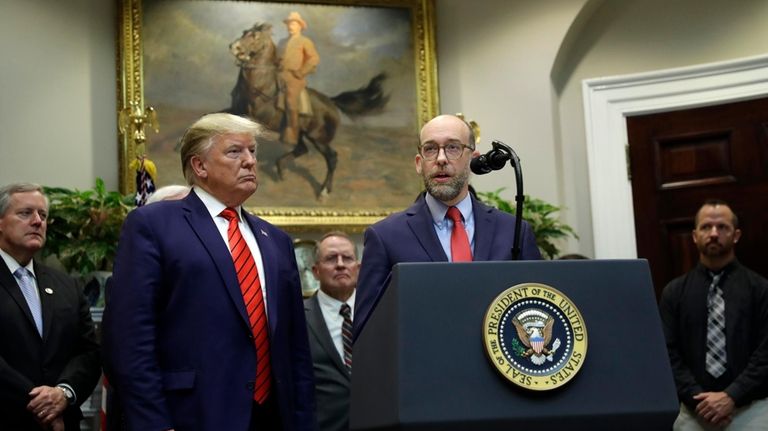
333, 259
453, 150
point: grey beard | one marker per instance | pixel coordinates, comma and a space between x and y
447, 192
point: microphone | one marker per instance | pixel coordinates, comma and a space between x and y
493, 160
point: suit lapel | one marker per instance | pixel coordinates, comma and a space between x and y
485, 230
200, 220
11, 287
319, 330
46, 300
420, 222
269, 251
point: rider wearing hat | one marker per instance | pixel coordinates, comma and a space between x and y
298, 58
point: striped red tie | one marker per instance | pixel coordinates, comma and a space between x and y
250, 286
460, 250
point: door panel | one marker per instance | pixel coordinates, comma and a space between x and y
678, 160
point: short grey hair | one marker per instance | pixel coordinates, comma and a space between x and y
11, 189
337, 233
167, 192
198, 138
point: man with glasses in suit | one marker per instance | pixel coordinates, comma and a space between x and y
445, 224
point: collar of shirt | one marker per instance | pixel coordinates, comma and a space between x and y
331, 305
215, 208
213, 205
443, 226
13, 265
727, 269
438, 210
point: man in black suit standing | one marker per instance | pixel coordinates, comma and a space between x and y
49, 356
329, 319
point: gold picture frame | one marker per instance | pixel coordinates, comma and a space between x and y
356, 39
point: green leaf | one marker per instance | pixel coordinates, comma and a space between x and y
540, 215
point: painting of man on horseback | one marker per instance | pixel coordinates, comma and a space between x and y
363, 96
271, 89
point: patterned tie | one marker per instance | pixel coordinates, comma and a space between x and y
27, 285
250, 286
460, 251
346, 334
716, 355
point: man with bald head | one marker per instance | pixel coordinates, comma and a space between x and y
445, 224
716, 325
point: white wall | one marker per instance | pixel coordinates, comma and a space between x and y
494, 60
635, 36
58, 101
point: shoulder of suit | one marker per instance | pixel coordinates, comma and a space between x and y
42, 270
262, 226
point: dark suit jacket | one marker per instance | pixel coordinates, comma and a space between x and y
409, 236
67, 353
332, 381
177, 342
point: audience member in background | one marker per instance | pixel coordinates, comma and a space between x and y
168, 193
329, 319
49, 356
446, 224
716, 325
205, 327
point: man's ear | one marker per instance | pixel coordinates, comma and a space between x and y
198, 166
316, 272
736, 235
476, 153
417, 160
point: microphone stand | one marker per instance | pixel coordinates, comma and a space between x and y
514, 160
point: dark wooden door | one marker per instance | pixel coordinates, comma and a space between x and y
679, 159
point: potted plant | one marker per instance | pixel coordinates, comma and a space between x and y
540, 216
83, 230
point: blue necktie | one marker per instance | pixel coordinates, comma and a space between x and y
27, 285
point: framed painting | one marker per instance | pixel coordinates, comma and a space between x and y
345, 135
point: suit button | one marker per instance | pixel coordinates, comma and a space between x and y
249, 386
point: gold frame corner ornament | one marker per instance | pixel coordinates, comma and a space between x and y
524, 310
131, 107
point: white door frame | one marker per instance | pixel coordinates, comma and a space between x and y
607, 104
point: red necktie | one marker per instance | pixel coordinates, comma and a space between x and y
460, 251
250, 286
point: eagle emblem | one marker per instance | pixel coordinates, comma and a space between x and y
534, 329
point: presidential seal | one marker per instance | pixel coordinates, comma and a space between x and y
535, 336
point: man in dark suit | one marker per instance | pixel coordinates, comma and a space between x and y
427, 232
49, 356
204, 329
329, 319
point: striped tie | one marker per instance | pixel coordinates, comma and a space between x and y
460, 250
716, 354
27, 286
250, 286
346, 334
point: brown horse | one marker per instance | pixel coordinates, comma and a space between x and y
256, 95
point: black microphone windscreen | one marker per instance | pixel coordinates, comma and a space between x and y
479, 165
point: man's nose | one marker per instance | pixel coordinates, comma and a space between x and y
37, 218
441, 157
249, 158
